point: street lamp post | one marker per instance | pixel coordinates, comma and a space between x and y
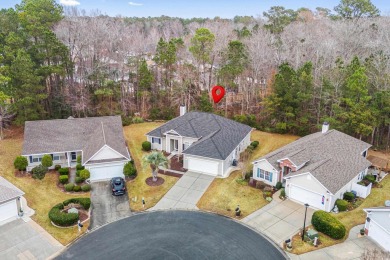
304, 222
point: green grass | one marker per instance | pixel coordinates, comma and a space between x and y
135, 135
41, 195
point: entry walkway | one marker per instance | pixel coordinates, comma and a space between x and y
186, 192
279, 220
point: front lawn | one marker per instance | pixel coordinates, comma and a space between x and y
40, 195
224, 195
135, 135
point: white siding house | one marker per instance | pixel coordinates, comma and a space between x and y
377, 226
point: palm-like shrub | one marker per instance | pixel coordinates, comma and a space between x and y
155, 159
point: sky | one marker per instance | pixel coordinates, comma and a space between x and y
195, 8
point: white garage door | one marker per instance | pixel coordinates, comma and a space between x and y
8, 210
379, 235
203, 166
306, 196
106, 172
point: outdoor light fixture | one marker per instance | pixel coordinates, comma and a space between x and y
304, 222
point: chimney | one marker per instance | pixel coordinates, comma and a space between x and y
325, 127
183, 110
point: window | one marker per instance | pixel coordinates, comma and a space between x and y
262, 174
56, 157
73, 156
36, 158
156, 140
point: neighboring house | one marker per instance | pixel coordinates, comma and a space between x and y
99, 141
377, 225
10, 203
316, 169
209, 143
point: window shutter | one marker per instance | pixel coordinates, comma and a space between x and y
30, 159
258, 172
270, 176
159, 140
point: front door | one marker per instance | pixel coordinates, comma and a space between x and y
174, 145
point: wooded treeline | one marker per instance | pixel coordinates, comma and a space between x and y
287, 71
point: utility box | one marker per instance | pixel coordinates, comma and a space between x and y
312, 234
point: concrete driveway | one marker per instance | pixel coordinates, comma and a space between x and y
186, 192
26, 240
107, 208
279, 220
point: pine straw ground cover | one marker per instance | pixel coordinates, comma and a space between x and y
41, 195
137, 188
224, 195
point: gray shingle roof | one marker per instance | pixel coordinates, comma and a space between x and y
219, 136
8, 191
78, 134
334, 158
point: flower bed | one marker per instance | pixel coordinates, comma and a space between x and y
59, 215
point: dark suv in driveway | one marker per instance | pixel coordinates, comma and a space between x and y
118, 186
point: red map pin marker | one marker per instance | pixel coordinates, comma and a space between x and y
217, 92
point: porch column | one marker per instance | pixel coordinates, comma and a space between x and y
68, 155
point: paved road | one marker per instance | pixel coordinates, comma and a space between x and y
21, 240
107, 208
173, 235
186, 192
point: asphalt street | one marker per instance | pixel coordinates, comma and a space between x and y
173, 235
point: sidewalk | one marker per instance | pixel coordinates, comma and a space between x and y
186, 192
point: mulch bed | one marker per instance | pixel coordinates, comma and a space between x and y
149, 181
168, 173
176, 164
24, 174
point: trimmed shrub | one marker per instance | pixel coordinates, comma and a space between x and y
85, 174
260, 185
21, 163
327, 224
78, 159
63, 179
79, 167
349, 196
38, 172
77, 188
126, 120
255, 144
69, 187
63, 171
283, 193
84, 202
267, 194
86, 187
146, 146
78, 180
248, 175
279, 185
78, 173
57, 167
129, 169
342, 204
250, 147
137, 120
47, 160
62, 218
370, 178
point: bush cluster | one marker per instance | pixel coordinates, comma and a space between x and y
38, 172
57, 167
126, 120
79, 167
67, 219
77, 188
63, 171
146, 146
129, 169
78, 180
349, 196
86, 187
63, 179
342, 204
370, 178
327, 224
137, 120
69, 187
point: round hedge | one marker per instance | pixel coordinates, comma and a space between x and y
342, 204
327, 224
146, 146
64, 219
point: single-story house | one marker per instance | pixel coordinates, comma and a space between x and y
377, 226
316, 169
99, 141
209, 143
10, 203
